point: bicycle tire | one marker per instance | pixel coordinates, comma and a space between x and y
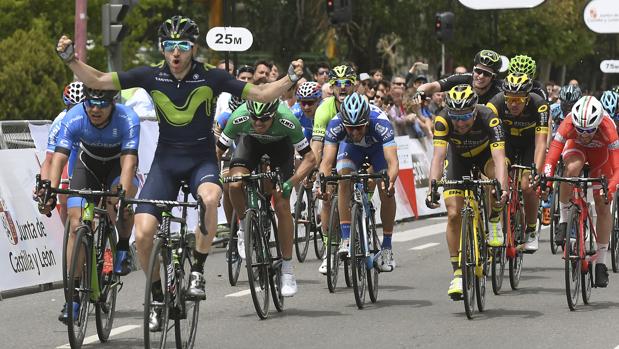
554, 218
587, 283
467, 266
357, 256
572, 260
375, 248
275, 271
187, 310
614, 236
65, 272
319, 232
515, 263
158, 339
105, 307
257, 266
481, 269
76, 328
302, 224
333, 244
233, 259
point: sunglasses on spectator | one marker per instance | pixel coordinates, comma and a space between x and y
516, 99
585, 130
323, 72
483, 72
308, 103
343, 83
263, 118
461, 117
182, 45
91, 103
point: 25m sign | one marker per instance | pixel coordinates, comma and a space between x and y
229, 39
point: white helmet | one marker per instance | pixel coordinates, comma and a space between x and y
587, 113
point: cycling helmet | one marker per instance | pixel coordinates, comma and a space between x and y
489, 59
609, 102
587, 113
179, 28
461, 97
73, 93
570, 94
517, 83
523, 64
262, 110
342, 72
235, 102
355, 110
309, 90
616, 89
104, 95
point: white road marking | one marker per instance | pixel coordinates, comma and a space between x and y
239, 294
418, 233
424, 246
95, 338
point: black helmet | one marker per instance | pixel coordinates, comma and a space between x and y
570, 94
179, 28
103, 95
355, 110
235, 102
262, 110
489, 59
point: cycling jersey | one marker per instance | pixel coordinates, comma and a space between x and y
324, 113
185, 108
306, 122
467, 78
52, 139
379, 131
539, 89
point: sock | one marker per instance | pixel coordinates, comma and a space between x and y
76, 286
156, 291
495, 215
198, 265
602, 249
454, 263
345, 228
387, 240
123, 244
287, 266
563, 212
531, 227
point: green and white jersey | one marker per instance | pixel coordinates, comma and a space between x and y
285, 125
325, 112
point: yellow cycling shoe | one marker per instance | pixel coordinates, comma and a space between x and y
455, 287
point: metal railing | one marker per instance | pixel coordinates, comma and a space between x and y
15, 134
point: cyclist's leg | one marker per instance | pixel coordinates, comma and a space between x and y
454, 200
496, 234
245, 159
600, 165
204, 182
349, 159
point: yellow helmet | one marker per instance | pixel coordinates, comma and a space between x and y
342, 72
461, 97
517, 83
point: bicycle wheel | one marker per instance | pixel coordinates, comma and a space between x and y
572, 259
481, 269
357, 258
333, 244
159, 261
319, 232
257, 265
109, 284
515, 262
302, 223
587, 282
275, 269
232, 255
614, 236
372, 272
185, 312
467, 265
65, 271
554, 217
80, 269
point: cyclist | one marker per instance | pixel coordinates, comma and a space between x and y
184, 92
568, 96
362, 130
483, 79
587, 135
526, 65
525, 119
108, 134
309, 96
466, 134
610, 103
271, 129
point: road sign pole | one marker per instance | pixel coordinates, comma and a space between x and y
443, 58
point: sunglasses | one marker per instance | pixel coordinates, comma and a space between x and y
516, 99
483, 72
461, 117
307, 103
263, 118
585, 130
91, 103
343, 83
171, 45
351, 128
323, 72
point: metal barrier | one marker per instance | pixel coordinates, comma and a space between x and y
15, 134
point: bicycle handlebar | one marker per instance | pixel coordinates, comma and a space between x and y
467, 182
578, 181
355, 177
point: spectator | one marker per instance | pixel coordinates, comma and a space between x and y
398, 83
437, 103
402, 123
384, 86
262, 72
369, 87
326, 91
460, 70
322, 73
274, 75
418, 69
377, 74
364, 78
574, 82
419, 80
222, 65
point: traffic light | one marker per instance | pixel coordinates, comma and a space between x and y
111, 20
444, 26
339, 11
330, 7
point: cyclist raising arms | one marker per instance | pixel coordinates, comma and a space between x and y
271, 129
183, 91
362, 130
467, 134
587, 135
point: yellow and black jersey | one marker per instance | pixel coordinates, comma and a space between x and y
522, 129
487, 131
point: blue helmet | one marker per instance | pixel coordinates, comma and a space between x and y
355, 110
609, 102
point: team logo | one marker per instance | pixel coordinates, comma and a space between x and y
494, 122
240, 120
6, 223
196, 76
542, 108
287, 123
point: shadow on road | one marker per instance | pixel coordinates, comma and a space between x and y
494, 313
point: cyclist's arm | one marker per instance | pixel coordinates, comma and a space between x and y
128, 166
429, 88
393, 166
317, 150
268, 92
540, 151
91, 77
500, 170
308, 163
438, 162
59, 160
45, 166
440, 141
328, 157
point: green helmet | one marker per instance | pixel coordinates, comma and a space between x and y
262, 110
523, 64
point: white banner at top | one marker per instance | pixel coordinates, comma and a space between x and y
500, 4
602, 16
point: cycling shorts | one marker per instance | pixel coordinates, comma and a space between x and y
249, 151
597, 158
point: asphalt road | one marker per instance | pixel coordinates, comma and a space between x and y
413, 310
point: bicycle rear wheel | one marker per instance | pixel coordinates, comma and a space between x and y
333, 244
554, 217
481, 269
257, 265
186, 310
160, 259
374, 243
232, 254
614, 236
302, 223
109, 284
515, 262
572, 259
65, 271
467, 258
357, 257
81, 264
319, 228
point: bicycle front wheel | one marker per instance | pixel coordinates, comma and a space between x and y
302, 223
467, 264
318, 228
232, 253
109, 283
157, 338
573, 262
333, 244
186, 310
481, 269
515, 263
257, 265
275, 268
78, 290
554, 217
357, 257
614, 236
372, 272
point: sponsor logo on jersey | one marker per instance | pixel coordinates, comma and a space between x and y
240, 120
163, 79
196, 76
542, 108
287, 123
494, 122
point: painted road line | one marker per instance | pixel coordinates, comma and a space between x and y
424, 246
239, 294
421, 232
95, 338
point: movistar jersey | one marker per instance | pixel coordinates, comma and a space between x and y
285, 125
324, 113
120, 136
185, 108
379, 131
521, 129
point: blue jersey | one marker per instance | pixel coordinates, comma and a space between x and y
120, 136
222, 119
185, 108
306, 122
379, 131
52, 139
